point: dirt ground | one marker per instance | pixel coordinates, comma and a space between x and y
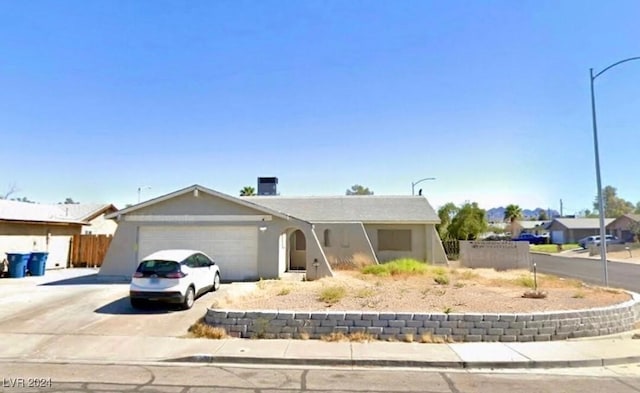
468, 290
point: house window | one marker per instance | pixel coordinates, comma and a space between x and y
327, 238
394, 240
301, 243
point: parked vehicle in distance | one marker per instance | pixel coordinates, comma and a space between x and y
531, 238
585, 242
173, 276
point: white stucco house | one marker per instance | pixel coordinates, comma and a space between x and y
266, 236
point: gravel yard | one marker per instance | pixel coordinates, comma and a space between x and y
467, 290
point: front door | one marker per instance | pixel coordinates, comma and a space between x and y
297, 251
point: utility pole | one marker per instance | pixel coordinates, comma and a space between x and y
561, 212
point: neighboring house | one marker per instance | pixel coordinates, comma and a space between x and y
535, 227
570, 230
26, 227
624, 227
94, 214
264, 237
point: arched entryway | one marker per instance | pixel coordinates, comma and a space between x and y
297, 251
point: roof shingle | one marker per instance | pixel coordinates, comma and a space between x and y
352, 208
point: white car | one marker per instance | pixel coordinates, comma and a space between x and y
595, 240
174, 276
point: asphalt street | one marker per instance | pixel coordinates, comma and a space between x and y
197, 378
621, 275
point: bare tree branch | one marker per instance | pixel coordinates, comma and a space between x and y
13, 188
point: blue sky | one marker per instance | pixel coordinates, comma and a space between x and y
490, 97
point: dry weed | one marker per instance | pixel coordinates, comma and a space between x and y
201, 329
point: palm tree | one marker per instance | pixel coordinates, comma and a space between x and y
511, 214
247, 191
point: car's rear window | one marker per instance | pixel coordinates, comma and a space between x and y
158, 267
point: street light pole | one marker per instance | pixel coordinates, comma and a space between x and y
413, 184
601, 212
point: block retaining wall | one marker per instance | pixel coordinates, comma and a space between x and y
459, 327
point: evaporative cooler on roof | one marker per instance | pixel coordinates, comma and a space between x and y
267, 186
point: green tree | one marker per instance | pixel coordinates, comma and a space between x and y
247, 191
446, 214
357, 189
614, 206
512, 213
542, 216
69, 201
637, 211
468, 223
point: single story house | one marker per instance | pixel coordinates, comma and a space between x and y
266, 236
570, 230
27, 227
95, 215
536, 227
625, 227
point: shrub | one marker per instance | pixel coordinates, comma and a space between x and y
395, 267
339, 336
468, 275
441, 279
526, 281
202, 329
334, 337
332, 294
284, 291
360, 337
578, 295
429, 338
365, 293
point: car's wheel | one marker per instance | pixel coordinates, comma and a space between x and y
189, 298
137, 303
216, 282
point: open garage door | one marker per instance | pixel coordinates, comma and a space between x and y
234, 249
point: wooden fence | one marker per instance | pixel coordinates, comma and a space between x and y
89, 250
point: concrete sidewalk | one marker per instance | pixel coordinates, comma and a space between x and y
603, 351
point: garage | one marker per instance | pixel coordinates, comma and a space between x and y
234, 248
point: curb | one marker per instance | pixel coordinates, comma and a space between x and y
530, 364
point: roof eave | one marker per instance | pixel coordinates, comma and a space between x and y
42, 222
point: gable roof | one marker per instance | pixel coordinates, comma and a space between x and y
633, 217
86, 211
358, 208
582, 223
533, 224
198, 188
35, 212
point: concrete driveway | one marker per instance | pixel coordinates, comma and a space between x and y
76, 301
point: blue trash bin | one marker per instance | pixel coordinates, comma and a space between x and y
37, 263
18, 264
